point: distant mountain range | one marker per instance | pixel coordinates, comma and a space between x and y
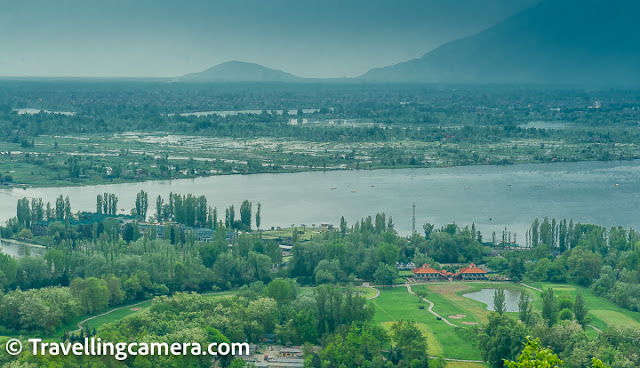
238, 71
570, 42
556, 42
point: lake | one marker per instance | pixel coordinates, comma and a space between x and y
17, 250
511, 298
494, 197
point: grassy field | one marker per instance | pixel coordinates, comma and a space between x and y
287, 233
603, 313
116, 315
396, 304
366, 292
128, 310
465, 365
449, 300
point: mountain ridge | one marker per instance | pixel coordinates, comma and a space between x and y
555, 42
240, 71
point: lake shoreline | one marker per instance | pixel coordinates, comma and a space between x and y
400, 167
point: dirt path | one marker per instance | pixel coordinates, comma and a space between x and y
595, 328
530, 287
375, 296
430, 309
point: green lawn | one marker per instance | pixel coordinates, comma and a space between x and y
116, 315
287, 233
128, 310
604, 314
449, 299
396, 304
366, 292
465, 365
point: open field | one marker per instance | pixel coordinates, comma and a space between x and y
125, 311
396, 304
287, 233
366, 292
434, 348
465, 365
116, 315
449, 300
603, 313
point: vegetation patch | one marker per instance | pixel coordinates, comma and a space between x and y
395, 304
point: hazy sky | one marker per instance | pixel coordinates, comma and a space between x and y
322, 38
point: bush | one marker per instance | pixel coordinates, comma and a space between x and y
566, 315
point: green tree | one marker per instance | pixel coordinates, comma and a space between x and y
565, 315
388, 253
499, 305
409, 339
549, 307
524, 308
385, 274
93, 293
245, 214
99, 204
584, 265
159, 208
280, 290
500, 339
142, 205
258, 216
60, 208
24, 212
25, 234
565, 302
580, 310
516, 269
534, 356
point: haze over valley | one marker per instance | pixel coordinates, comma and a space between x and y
319, 184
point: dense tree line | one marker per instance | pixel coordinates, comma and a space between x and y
502, 338
278, 307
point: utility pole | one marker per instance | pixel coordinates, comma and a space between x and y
413, 226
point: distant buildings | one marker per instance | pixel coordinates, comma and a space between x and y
426, 273
471, 273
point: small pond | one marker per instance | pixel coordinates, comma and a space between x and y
17, 250
486, 296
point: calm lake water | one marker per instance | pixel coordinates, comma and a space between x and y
511, 298
494, 197
17, 250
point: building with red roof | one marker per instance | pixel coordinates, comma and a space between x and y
471, 273
426, 273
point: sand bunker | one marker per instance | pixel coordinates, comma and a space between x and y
457, 316
470, 323
135, 309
